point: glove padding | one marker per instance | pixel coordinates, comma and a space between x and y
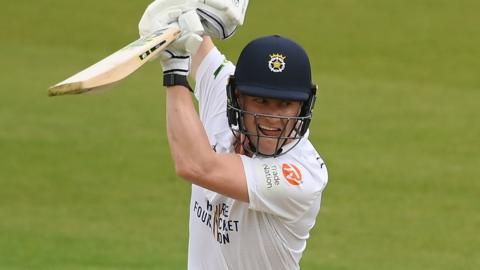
175, 62
177, 57
220, 18
161, 13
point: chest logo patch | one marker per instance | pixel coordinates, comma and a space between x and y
277, 62
292, 173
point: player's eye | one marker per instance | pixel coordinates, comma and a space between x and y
259, 100
285, 104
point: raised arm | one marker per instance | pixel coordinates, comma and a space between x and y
203, 50
194, 159
193, 156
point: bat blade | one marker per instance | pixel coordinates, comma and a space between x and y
118, 65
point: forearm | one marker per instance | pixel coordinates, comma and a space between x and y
189, 145
194, 159
197, 58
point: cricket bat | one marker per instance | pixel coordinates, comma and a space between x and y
118, 65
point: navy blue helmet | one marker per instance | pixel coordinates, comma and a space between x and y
272, 67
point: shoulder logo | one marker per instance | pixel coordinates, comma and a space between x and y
217, 71
292, 174
277, 62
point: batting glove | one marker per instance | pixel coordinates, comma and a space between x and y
175, 62
176, 67
220, 18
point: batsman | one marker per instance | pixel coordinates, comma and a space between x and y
257, 180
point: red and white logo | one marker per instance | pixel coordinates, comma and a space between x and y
292, 174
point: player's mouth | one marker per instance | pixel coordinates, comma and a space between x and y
269, 131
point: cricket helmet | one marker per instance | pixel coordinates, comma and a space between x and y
271, 67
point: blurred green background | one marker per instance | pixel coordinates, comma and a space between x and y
86, 182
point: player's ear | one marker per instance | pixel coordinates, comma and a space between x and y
239, 97
237, 93
300, 108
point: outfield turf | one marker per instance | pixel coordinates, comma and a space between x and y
86, 182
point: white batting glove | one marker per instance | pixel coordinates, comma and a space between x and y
176, 67
162, 13
175, 62
176, 58
220, 18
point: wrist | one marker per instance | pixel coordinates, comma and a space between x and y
173, 79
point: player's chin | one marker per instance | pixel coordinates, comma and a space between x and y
268, 146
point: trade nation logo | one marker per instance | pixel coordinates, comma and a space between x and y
277, 62
292, 174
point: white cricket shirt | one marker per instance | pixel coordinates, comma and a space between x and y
271, 231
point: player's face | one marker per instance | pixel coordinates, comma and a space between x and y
269, 126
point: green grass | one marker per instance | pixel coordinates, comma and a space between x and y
86, 182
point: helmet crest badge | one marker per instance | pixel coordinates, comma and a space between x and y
277, 62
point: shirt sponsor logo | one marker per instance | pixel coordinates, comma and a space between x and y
217, 218
271, 175
292, 174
